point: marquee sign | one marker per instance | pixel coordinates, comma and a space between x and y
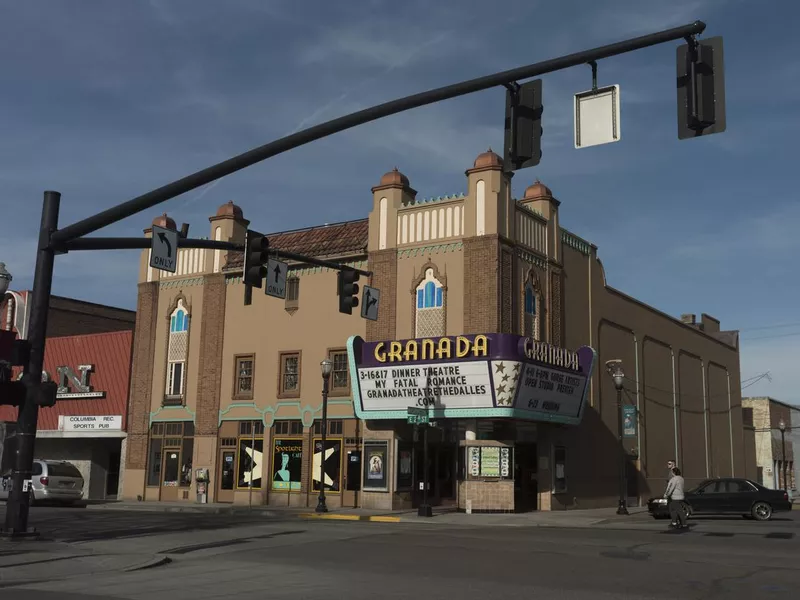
470, 376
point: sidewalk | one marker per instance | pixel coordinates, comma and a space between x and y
185, 507
562, 518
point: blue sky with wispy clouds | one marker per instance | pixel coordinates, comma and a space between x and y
105, 100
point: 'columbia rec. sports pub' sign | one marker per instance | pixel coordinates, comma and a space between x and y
466, 376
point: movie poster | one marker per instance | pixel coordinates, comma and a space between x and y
287, 465
376, 465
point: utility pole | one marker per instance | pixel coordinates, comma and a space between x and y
53, 240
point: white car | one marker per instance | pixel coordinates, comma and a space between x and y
52, 480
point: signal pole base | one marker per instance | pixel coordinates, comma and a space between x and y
11, 535
425, 510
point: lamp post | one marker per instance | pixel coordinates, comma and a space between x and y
327, 368
782, 427
5, 280
618, 374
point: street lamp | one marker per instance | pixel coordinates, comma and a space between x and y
782, 427
618, 375
327, 368
5, 279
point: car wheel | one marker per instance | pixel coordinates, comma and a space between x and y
761, 511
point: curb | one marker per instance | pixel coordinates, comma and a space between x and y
335, 517
188, 509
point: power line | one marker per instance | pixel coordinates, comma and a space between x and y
769, 337
745, 383
777, 326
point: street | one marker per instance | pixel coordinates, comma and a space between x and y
218, 556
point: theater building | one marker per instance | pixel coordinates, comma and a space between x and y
494, 320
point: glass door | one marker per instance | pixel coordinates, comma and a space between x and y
227, 475
170, 470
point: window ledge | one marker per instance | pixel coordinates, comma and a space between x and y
239, 397
172, 400
288, 395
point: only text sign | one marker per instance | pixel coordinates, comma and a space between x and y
276, 278
164, 249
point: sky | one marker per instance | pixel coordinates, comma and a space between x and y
103, 101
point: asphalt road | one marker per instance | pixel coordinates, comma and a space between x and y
66, 524
291, 559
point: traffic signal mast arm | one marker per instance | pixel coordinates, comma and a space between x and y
134, 243
393, 107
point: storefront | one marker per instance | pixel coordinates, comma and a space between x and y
87, 425
483, 400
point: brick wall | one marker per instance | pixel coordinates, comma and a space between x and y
486, 495
507, 288
75, 317
383, 264
556, 307
142, 375
212, 330
481, 289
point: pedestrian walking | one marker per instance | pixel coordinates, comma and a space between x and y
674, 495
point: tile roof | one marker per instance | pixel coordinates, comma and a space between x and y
110, 353
337, 239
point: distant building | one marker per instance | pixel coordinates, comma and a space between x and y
767, 414
88, 353
236, 389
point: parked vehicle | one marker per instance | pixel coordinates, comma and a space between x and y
52, 480
659, 508
729, 496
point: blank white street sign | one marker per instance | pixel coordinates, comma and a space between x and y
276, 278
597, 117
164, 249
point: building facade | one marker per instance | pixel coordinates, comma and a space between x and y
236, 390
775, 462
87, 424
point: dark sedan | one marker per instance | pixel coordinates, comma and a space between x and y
729, 496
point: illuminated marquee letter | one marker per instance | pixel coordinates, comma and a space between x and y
411, 350
444, 348
428, 349
380, 353
395, 352
480, 346
462, 346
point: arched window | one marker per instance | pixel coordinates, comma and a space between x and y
178, 350
430, 320
531, 320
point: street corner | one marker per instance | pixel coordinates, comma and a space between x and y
27, 567
348, 517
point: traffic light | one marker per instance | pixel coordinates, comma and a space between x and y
256, 247
44, 393
523, 126
701, 88
348, 290
12, 393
